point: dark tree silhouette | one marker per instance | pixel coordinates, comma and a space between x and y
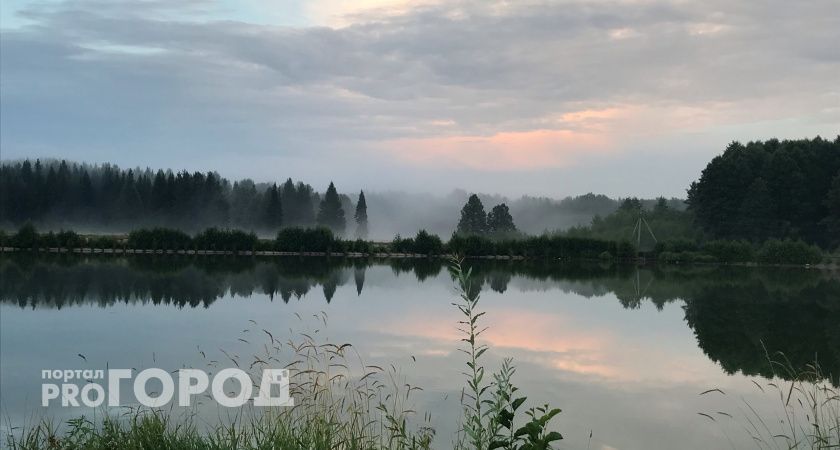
500, 222
361, 217
778, 189
473, 218
331, 214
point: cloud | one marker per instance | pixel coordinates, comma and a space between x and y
482, 85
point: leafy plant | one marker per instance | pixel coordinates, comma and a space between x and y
490, 410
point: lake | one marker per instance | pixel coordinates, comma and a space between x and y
625, 352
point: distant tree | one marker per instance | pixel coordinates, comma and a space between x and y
499, 221
631, 204
272, 208
473, 218
330, 213
361, 217
661, 206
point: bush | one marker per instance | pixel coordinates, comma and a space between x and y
675, 246
68, 239
788, 251
159, 238
216, 239
402, 245
427, 244
26, 237
729, 251
308, 240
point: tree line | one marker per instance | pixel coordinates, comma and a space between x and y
105, 197
771, 189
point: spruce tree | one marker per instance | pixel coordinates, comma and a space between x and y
273, 209
330, 213
473, 217
499, 221
361, 217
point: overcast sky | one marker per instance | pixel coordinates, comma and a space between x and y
621, 97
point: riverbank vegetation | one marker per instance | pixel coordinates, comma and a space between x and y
323, 241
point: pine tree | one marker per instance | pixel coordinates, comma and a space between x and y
330, 213
361, 217
499, 221
473, 217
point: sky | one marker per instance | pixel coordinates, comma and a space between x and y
622, 97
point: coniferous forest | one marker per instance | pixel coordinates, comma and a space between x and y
71, 195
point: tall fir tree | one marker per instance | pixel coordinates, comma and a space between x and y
473, 218
330, 213
361, 217
499, 221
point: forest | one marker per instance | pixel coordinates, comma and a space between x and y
766, 198
107, 198
771, 189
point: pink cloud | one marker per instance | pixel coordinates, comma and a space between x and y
515, 150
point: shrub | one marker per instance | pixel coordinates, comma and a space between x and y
159, 238
216, 239
308, 240
26, 237
788, 251
729, 251
427, 244
68, 239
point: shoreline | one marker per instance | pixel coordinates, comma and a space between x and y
641, 261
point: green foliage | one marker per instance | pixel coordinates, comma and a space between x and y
772, 251
307, 239
423, 243
546, 246
331, 213
490, 409
46, 192
729, 251
775, 251
666, 223
334, 409
272, 214
361, 217
26, 237
778, 189
473, 218
500, 222
159, 238
231, 240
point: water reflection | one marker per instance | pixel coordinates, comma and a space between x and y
735, 313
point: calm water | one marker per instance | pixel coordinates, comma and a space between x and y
624, 352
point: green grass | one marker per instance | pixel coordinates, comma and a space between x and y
807, 414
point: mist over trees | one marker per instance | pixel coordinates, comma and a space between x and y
97, 198
361, 217
331, 213
105, 198
473, 218
781, 189
474, 221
